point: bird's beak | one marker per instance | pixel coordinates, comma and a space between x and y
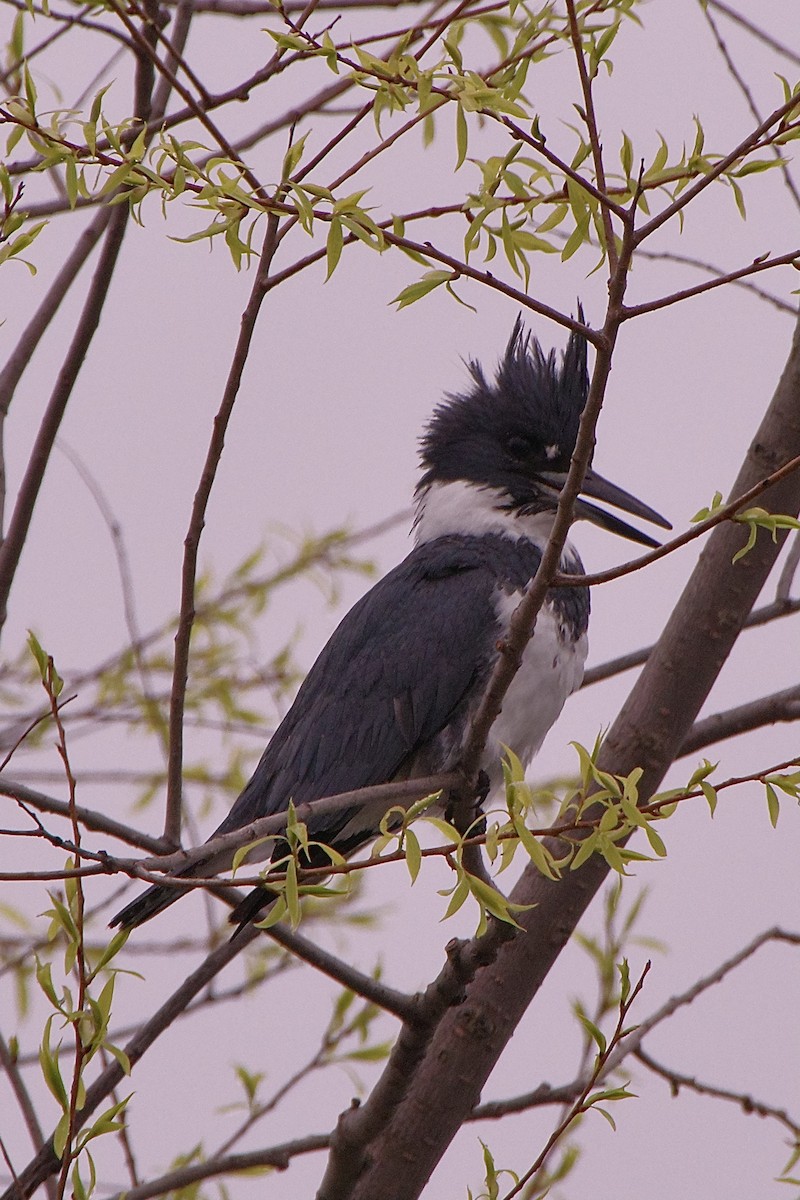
600, 489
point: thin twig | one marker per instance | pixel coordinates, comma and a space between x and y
764, 263
724, 513
746, 1102
590, 118
172, 821
400, 1004
741, 83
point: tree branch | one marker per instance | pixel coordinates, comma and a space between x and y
746, 1102
279, 1156
766, 710
636, 658
180, 675
19, 525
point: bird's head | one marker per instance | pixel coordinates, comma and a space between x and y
510, 441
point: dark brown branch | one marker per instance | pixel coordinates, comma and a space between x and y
172, 822
699, 289
746, 1102
19, 525
400, 1004
544, 1094
755, 714
687, 260
359, 1125
279, 1156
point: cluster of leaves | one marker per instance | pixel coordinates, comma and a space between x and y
82, 1002
529, 200
89, 1021
597, 813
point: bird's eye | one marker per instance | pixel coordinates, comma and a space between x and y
518, 447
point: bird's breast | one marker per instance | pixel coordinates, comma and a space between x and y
551, 669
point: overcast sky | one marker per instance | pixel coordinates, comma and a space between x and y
337, 389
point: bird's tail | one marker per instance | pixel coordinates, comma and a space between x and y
252, 908
151, 902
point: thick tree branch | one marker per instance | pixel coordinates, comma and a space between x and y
755, 714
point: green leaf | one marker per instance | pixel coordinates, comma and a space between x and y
624, 978
376, 1053
415, 291
111, 950
655, 841
458, 895
710, 794
626, 155
462, 136
493, 901
38, 653
594, 1032
334, 244
276, 913
292, 157
704, 513
541, 858
241, 854
61, 1135
773, 804
413, 853
48, 1060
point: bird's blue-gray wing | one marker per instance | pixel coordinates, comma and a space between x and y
398, 670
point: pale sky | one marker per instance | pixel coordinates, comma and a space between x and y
337, 389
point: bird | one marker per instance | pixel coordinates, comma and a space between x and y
392, 694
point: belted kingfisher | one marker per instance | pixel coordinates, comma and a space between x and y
393, 692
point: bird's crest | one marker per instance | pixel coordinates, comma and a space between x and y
532, 408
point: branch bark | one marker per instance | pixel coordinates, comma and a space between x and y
11, 548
